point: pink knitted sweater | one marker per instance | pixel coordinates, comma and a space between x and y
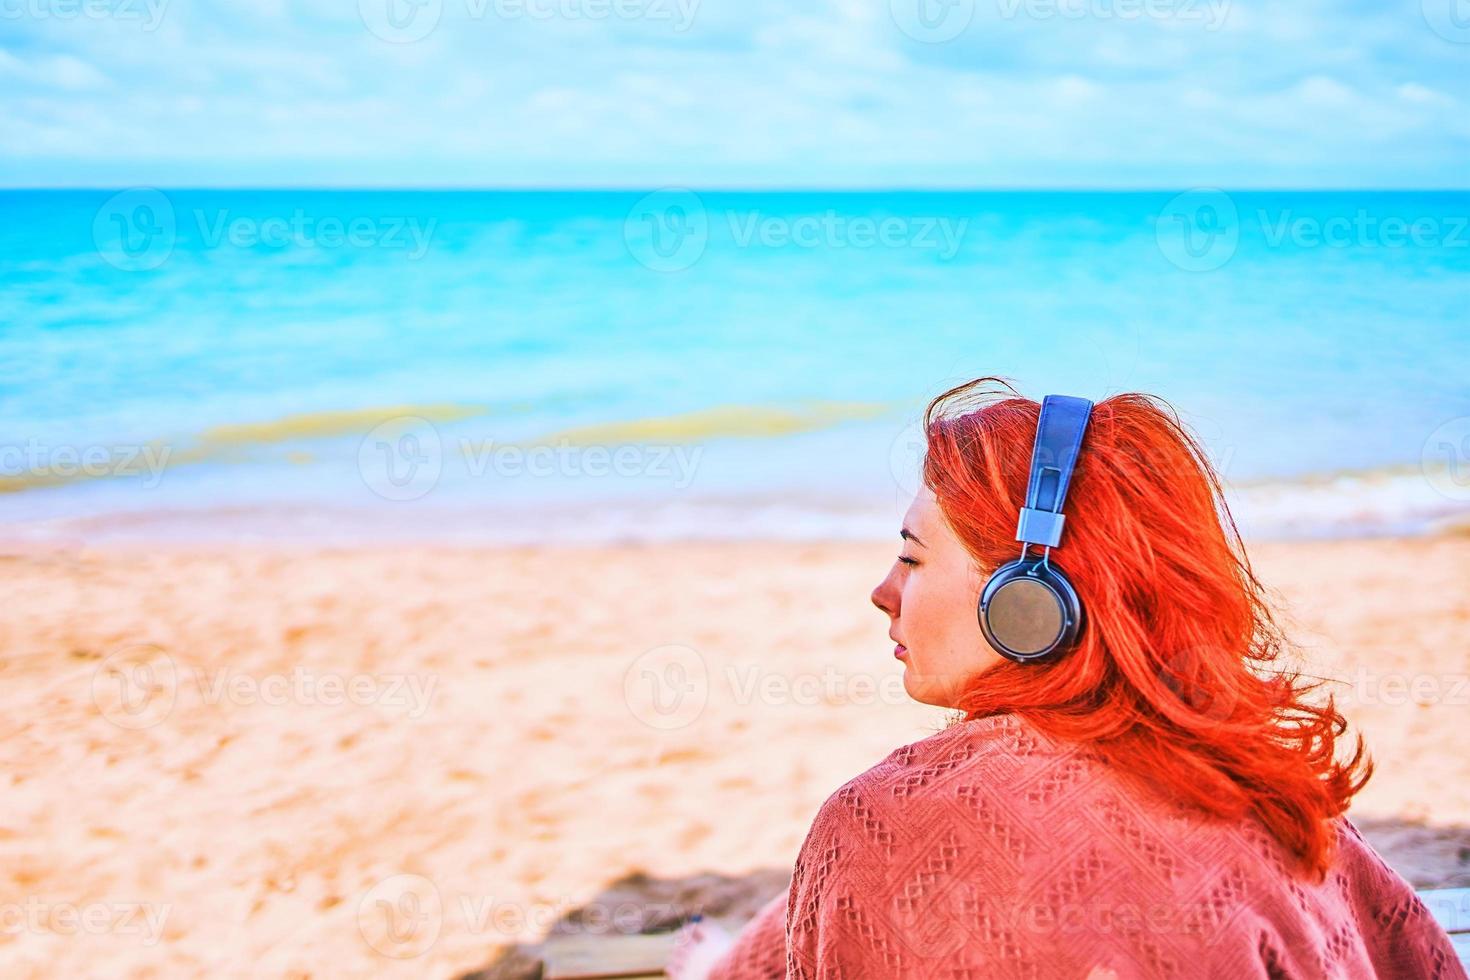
988, 850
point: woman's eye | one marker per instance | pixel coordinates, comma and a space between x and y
907, 560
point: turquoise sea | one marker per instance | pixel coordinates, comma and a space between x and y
590, 365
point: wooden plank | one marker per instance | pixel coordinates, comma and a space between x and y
1450, 908
1461, 941
594, 956
597, 956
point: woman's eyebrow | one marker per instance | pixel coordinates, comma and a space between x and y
908, 535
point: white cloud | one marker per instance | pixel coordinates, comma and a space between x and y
1324, 92
1414, 92
753, 93
64, 71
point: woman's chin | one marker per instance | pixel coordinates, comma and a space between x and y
932, 689
919, 687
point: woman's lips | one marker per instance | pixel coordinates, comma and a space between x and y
900, 651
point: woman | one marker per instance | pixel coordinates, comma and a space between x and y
1162, 799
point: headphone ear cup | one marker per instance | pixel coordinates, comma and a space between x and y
1029, 612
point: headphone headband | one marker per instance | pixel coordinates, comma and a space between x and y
1029, 611
1053, 457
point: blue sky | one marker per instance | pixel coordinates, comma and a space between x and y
735, 93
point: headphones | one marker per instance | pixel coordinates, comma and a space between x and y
1028, 610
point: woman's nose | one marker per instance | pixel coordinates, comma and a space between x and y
885, 596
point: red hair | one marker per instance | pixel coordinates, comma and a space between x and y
1176, 679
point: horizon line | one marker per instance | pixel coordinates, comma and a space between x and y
732, 189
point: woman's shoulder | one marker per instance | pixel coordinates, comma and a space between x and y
1002, 780
977, 764
996, 745
992, 822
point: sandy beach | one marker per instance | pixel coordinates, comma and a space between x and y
373, 762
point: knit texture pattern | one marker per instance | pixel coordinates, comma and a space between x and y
990, 851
